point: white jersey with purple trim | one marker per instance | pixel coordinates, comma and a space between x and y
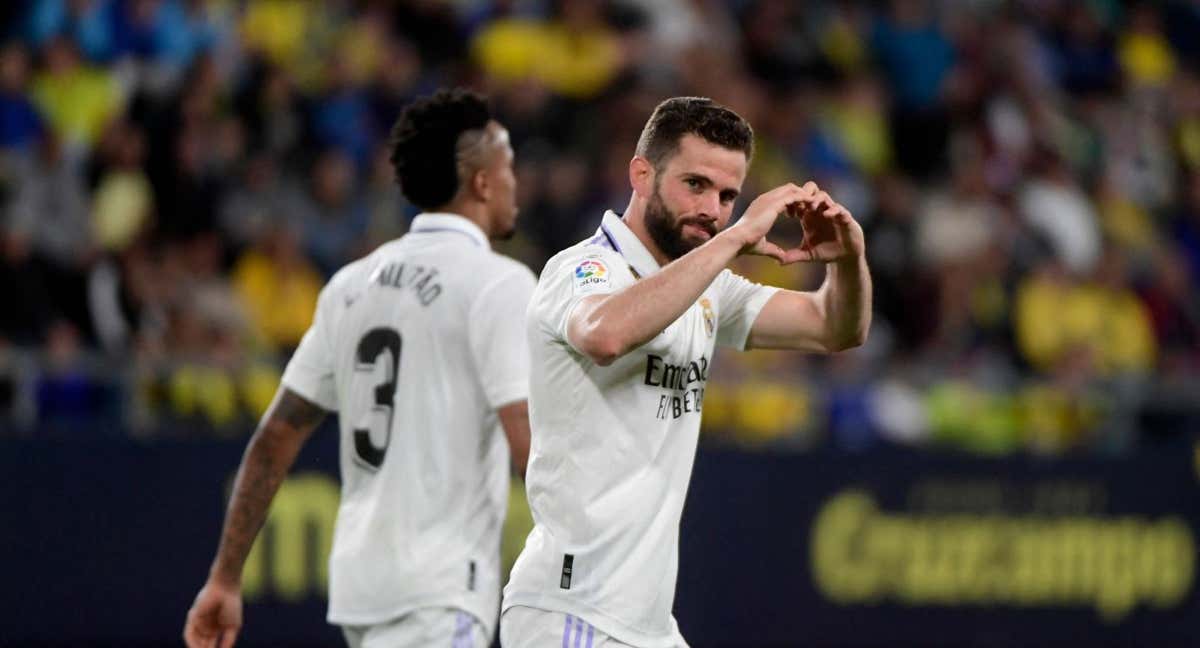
612, 447
416, 346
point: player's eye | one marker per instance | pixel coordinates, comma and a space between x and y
692, 182
728, 197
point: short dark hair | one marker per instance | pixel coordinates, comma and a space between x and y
699, 116
424, 143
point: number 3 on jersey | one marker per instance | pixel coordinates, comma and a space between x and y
368, 355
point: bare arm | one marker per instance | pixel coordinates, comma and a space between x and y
288, 423
514, 418
216, 615
838, 315
606, 327
834, 318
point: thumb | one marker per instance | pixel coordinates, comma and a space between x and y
769, 249
799, 254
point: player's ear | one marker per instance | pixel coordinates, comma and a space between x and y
641, 175
481, 185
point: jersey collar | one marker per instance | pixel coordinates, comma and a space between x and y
444, 222
628, 245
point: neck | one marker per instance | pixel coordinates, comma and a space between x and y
472, 211
635, 220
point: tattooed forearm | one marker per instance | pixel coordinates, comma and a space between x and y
270, 454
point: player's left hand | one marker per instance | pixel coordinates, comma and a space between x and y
215, 617
830, 233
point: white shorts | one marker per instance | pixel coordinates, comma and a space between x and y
433, 627
526, 627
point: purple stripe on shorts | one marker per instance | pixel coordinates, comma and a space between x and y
591, 631
578, 631
567, 633
460, 631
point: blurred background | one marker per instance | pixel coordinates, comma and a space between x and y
178, 178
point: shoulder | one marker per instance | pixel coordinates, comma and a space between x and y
500, 266
347, 276
495, 279
728, 279
732, 288
352, 277
591, 255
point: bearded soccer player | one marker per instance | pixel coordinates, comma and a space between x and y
420, 348
621, 330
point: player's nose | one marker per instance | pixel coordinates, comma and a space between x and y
710, 205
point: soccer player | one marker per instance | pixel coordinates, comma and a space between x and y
621, 330
420, 348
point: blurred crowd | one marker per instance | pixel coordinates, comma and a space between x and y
179, 177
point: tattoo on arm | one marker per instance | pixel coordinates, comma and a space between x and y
296, 412
270, 454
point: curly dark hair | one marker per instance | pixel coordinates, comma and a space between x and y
700, 116
424, 141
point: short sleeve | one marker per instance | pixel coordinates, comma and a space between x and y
496, 333
740, 302
310, 372
567, 280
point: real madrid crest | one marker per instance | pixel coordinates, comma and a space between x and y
710, 322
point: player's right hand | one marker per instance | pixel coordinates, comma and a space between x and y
758, 219
215, 617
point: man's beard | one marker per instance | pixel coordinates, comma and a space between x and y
667, 230
508, 232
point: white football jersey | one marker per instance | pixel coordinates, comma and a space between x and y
612, 447
416, 346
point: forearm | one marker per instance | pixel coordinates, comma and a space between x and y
846, 296
265, 464
631, 317
270, 454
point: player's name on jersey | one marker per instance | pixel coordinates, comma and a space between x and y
420, 278
680, 378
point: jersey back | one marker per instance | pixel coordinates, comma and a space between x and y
416, 346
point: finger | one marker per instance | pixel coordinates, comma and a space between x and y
790, 196
769, 249
825, 204
197, 637
228, 637
797, 255
842, 219
820, 203
192, 634
777, 200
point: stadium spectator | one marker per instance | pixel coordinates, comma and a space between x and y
574, 53
87, 23
330, 213
76, 100
70, 400
1097, 321
123, 204
278, 288
20, 123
